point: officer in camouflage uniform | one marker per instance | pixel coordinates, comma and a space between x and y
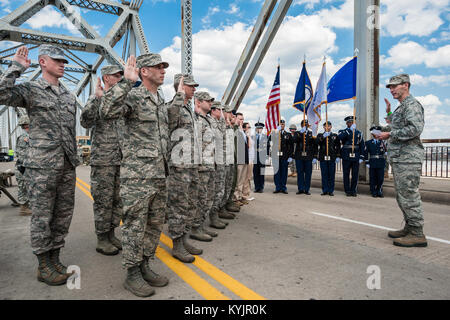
231, 156
221, 166
52, 156
22, 146
406, 154
183, 181
105, 165
206, 170
144, 166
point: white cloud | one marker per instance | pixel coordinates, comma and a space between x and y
419, 18
211, 11
435, 119
49, 17
409, 53
439, 80
234, 9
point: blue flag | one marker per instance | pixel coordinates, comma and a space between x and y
342, 86
304, 91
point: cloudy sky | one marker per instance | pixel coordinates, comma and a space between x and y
415, 39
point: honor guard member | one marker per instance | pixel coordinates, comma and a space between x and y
305, 156
144, 167
206, 170
52, 157
284, 153
329, 149
292, 167
260, 158
183, 179
406, 154
22, 147
352, 153
105, 164
221, 168
374, 158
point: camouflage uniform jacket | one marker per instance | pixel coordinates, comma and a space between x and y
52, 112
207, 137
105, 149
145, 130
22, 145
183, 123
228, 143
407, 122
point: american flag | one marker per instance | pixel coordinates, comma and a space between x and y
273, 105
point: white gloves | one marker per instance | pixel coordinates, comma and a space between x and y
303, 130
289, 160
326, 134
368, 165
361, 161
353, 127
314, 161
338, 160
279, 128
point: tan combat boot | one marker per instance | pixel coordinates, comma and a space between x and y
153, 279
197, 233
233, 207
415, 238
54, 258
215, 222
114, 241
226, 215
210, 232
179, 251
104, 246
189, 247
25, 210
136, 284
47, 272
399, 233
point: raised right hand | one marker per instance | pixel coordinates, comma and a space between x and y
21, 57
130, 71
99, 89
388, 105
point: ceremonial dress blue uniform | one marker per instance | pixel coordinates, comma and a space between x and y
351, 157
328, 161
260, 159
374, 156
305, 152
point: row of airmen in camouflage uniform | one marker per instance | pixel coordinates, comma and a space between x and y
134, 163
158, 175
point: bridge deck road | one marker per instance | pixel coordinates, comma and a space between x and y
279, 247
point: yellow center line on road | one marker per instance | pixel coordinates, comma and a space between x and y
233, 285
199, 284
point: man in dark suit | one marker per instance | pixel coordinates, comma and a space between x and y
375, 161
284, 153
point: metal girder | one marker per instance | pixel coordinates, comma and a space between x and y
76, 19
99, 5
253, 40
139, 33
85, 79
186, 36
24, 12
35, 64
266, 41
11, 51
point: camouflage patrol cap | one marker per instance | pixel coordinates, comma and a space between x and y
398, 79
111, 69
217, 105
203, 96
150, 60
24, 120
187, 79
227, 108
52, 51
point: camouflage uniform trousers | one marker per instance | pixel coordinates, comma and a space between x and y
144, 206
406, 180
206, 196
233, 178
219, 189
52, 199
105, 188
23, 184
183, 200
228, 184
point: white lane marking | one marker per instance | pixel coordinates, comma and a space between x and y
371, 225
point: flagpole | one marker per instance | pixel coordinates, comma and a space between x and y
326, 123
279, 115
304, 112
354, 114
